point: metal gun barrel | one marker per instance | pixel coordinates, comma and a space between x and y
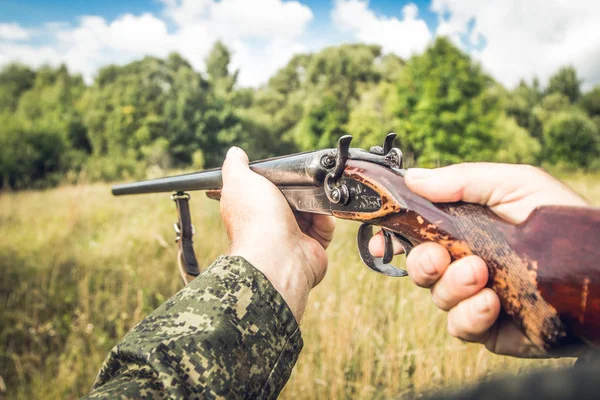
302, 169
204, 180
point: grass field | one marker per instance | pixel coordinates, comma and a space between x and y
79, 268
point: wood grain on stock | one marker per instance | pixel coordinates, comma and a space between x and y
545, 270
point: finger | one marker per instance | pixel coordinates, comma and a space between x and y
319, 227
499, 186
234, 167
377, 245
470, 182
323, 226
463, 278
426, 263
472, 319
512, 191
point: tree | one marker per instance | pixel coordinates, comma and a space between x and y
29, 155
566, 82
217, 68
515, 143
590, 102
446, 106
331, 82
373, 117
571, 139
15, 79
520, 104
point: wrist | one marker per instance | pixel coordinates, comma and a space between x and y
285, 271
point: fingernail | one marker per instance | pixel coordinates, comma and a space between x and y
232, 150
418, 173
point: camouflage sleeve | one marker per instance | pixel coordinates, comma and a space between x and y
228, 334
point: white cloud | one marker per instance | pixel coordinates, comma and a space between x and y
277, 25
263, 19
95, 42
527, 38
13, 31
34, 56
403, 37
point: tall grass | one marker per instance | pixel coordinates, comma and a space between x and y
79, 268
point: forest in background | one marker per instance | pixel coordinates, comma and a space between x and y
139, 119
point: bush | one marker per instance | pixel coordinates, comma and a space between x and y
571, 139
110, 168
515, 143
30, 156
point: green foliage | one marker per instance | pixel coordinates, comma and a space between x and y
41, 132
515, 145
572, 139
590, 102
374, 116
217, 68
446, 107
124, 108
153, 114
15, 79
566, 82
311, 98
520, 104
29, 154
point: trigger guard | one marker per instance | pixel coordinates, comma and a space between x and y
377, 264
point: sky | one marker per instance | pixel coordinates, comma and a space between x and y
512, 39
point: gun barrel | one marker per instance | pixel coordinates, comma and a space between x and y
204, 180
302, 169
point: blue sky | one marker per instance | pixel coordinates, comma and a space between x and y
31, 13
511, 39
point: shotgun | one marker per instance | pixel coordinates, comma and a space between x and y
545, 270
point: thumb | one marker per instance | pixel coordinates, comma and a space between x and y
483, 183
511, 191
235, 165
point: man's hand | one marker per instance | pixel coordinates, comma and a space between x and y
512, 192
289, 249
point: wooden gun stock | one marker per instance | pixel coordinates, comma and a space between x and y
545, 270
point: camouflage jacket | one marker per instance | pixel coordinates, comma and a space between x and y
228, 334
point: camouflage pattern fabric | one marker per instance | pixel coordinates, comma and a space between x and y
228, 334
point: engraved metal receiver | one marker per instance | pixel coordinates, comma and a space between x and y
342, 191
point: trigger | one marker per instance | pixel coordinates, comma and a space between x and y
381, 265
404, 242
388, 250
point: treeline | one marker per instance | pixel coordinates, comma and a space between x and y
160, 113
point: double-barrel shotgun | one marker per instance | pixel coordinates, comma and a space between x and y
545, 270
